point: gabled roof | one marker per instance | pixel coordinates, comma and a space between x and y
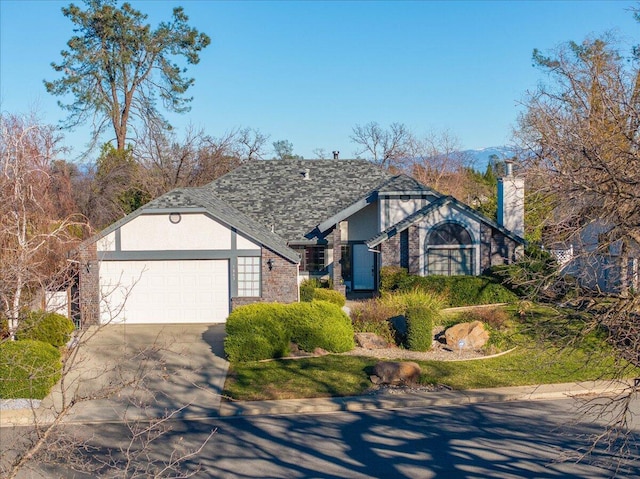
405, 184
425, 210
294, 196
194, 200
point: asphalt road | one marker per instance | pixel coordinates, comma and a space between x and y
501, 440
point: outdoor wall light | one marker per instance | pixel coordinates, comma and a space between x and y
271, 263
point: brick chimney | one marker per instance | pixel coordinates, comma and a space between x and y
511, 201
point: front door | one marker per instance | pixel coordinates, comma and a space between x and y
363, 268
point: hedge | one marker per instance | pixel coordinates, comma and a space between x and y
264, 330
28, 369
320, 324
330, 295
313, 289
459, 290
419, 327
255, 332
52, 328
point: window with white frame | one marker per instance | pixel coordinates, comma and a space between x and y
249, 276
450, 251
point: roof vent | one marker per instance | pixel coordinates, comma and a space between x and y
305, 174
336, 154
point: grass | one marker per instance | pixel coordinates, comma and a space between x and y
323, 376
552, 346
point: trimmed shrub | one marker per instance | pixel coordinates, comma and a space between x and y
255, 332
52, 328
419, 327
307, 289
28, 369
330, 295
420, 311
320, 324
393, 278
459, 290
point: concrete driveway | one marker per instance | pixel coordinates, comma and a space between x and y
145, 371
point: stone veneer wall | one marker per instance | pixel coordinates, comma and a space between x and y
486, 247
280, 284
415, 251
338, 284
390, 250
503, 249
89, 285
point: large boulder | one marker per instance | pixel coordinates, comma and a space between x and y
371, 341
466, 335
396, 373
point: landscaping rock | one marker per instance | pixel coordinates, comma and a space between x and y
371, 341
466, 335
396, 373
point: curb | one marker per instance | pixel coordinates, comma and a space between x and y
416, 399
381, 401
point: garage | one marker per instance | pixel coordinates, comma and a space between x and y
164, 291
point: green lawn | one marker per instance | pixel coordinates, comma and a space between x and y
548, 350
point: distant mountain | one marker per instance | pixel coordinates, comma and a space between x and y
480, 158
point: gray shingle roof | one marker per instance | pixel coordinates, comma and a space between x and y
296, 195
197, 199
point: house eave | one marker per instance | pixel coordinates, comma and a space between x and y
348, 211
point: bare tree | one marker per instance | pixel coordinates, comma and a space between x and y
439, 162
580, 135
32, 238
124, 376
251, 144
168, 162
320, 153
388, 148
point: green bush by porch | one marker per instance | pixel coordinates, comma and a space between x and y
52, 328
459, 290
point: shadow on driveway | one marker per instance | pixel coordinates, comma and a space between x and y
214, 337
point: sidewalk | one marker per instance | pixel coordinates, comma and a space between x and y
97, 412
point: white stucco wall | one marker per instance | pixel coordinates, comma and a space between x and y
394, 210
108, 243
244, 243
362, 225
156, 232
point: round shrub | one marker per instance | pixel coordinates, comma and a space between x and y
419, 327
330, 295
52, 328
256, 332
28, 369
307, 290
320, 324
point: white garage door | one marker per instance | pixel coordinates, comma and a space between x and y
164, 291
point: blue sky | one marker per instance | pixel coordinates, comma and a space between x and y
310, 71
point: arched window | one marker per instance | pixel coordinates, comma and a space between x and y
449, 251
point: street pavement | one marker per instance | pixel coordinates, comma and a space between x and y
500, 432
519, 439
